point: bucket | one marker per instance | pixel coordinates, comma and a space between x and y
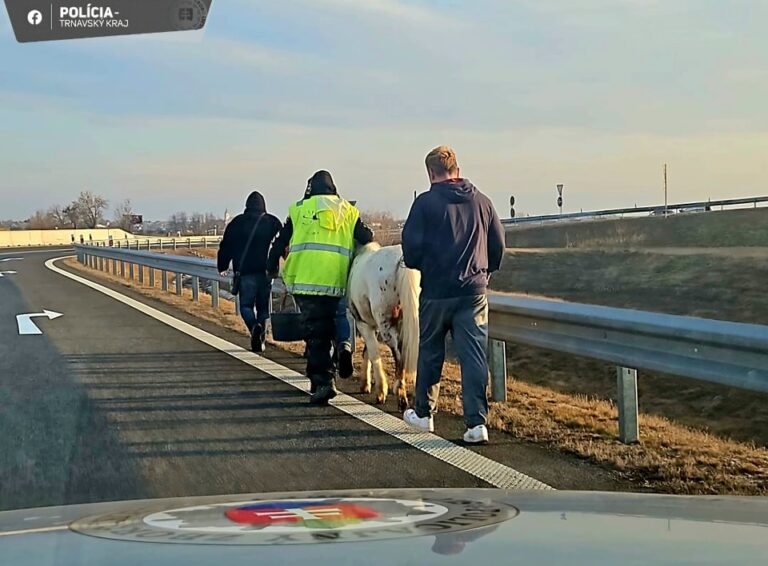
286, 326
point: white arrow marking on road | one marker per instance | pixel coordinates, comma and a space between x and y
4, 273
11, 259
27, 326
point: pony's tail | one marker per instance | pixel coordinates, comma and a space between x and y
408, 288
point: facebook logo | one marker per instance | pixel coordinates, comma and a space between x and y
35, 17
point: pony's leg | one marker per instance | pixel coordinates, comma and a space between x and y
366, 385
372, 349
400, 383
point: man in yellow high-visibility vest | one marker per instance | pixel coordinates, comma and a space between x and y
320, 233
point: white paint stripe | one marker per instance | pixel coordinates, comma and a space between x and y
49, 251
462, 458
33, 531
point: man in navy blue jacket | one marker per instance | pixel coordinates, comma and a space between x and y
454, 237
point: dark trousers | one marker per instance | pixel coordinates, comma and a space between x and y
318, 317
466, 318
254, 299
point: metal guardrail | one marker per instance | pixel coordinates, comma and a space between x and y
658, 209
727, 353
158, 243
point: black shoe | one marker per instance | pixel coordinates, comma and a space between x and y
257, 344
346, 369
323, 394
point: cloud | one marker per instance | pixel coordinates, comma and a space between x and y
409, 13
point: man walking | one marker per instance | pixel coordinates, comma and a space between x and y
454, 237
245, 244
321, 232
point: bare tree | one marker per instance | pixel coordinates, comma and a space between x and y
58, 216
73, 214
123, 215
92, 208
41, 220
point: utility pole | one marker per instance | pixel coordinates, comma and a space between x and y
665, 191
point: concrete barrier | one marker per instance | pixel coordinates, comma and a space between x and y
62, 236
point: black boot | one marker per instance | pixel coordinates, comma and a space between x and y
323, 394
346, 369
257, 344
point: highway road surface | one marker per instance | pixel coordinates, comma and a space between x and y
120, 397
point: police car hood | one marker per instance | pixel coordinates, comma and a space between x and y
404, 526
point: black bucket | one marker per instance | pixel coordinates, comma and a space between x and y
286, 325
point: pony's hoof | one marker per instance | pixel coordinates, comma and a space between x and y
380, 399
365, 389
402, 404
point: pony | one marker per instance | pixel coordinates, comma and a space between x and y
383, 298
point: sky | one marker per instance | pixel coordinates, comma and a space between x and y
594, 94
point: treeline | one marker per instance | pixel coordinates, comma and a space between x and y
86, 211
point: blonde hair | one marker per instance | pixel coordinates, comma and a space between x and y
442, 161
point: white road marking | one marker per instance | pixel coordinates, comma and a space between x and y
33, 531
4, 273
11, 259
28, 327
483, 468
48, 251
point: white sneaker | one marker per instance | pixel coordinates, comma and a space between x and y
425, 424
476, 435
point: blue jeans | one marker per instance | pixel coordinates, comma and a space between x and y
255, 291
466, 318
343, 330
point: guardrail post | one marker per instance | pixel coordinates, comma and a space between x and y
178, 284
164, 280
195, 288
101, 264
141, 274
114, 267
215, 294
628, 425
152, 277
174, 243
131, 271
189, 243
160, 244
122, 268
497, 363
148, 247
205, 243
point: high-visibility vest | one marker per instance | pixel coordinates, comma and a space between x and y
321, 247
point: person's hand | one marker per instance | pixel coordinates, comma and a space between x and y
224, 273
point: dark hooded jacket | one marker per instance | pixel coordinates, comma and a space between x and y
455, 238
232, 247
321, 183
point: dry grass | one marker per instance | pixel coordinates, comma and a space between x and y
670, 458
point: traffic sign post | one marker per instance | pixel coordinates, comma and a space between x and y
560, 197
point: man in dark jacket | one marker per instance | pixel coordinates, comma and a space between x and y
251, 263
455, 238
322, 230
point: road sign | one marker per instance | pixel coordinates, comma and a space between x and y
512, 212
560, 190
26, 324
560, 201
4, 273
512, 201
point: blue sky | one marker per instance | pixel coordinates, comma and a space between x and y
595, 94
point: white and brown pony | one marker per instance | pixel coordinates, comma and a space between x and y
383, 297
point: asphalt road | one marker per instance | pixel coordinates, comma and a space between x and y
110, 404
